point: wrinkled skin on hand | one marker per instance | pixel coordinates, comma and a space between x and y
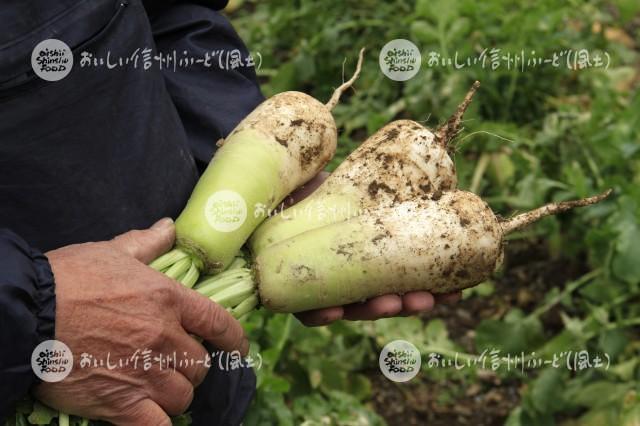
388, 305
109, 303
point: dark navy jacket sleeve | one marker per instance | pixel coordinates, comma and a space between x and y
211, 100
27, 314
104, 151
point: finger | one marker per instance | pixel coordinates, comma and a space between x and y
305, 190
417, 301
449, 298
173, 393
207, 319
319, 317
145, 412
190, 356
377, 307
148, 244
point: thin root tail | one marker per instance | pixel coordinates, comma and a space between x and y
520, 221
335, 98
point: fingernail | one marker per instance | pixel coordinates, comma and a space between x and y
163, 223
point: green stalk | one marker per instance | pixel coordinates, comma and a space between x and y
63, 419
242, 318
237, 263
246, 306
179, 268
219, 277
218, 283
568, 289
191, 276
232, 296
168, 259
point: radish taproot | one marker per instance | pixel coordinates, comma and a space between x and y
283, 143
401, 161
439, 244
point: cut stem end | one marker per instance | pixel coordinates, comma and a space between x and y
451, 128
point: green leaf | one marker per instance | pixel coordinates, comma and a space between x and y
561, 342
514, 334
305, 67
359, 386
546, 391
42, 415
631, 417
601, 416
268, 409
436, 334
501, 169
285, 79
625, 262
625, 370
613, 342
483, 289
424, 32
274, 384
182, 420
598, 394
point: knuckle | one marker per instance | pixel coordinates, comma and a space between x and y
173, 393
128, 242
137, 413
199, 375
164, 292
151, 335
218, 321
166, 239
184, 399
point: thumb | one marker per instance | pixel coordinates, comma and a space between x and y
145, 412
146, 245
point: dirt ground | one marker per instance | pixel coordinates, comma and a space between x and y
529, 275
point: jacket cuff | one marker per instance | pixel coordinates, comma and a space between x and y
45, 296
27, 315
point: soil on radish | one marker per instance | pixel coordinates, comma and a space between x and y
529, 274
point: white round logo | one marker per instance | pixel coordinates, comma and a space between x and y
400, 59
226, 211
52, 59
399, 361
52, 361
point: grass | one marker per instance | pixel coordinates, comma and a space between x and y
545, 133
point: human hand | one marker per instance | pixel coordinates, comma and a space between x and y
384, 306
109, 303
